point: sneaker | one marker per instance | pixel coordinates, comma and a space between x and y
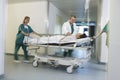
26, 61
16, 61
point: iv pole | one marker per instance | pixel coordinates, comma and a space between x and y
87, 11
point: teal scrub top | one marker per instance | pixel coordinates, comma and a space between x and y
105, 29
20, 36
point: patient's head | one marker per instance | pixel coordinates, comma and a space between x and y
79, 35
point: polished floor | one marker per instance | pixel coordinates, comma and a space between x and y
25, 71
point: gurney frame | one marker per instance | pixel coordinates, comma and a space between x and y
70, 63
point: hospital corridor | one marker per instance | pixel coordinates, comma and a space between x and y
57, 40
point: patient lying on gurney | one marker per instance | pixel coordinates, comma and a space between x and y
79, 35
58, 39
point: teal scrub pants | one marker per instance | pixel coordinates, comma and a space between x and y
17, 47
69, 53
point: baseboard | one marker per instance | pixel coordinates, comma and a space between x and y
18, 54
103, 63
13, 54
1, 76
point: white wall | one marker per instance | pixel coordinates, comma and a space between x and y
2, 34
55, 13
16, 13
114, 38
105, 16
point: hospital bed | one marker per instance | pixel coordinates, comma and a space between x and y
59, 41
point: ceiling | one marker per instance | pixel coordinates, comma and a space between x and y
77, 7
72, 7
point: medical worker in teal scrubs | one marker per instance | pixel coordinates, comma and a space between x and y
106, 30
23, 30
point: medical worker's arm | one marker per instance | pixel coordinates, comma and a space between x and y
36, 33
26, 34
105, 29
94, 37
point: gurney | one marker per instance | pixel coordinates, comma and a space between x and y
63, 42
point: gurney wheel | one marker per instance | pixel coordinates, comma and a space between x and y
35, 64
69, 69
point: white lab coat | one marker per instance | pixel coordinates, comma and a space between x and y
67, 28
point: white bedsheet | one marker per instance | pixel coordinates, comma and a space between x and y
58, 39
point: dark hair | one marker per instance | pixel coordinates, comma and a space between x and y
73, 16
83, 36
26, 17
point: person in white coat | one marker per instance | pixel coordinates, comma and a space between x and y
69, 28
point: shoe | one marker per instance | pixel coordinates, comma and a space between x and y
26, 61
16, 61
